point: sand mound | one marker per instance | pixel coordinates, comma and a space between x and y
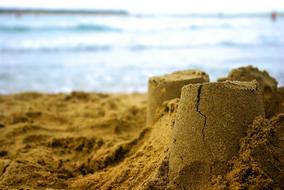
46, 140
260, 163
101, 141
280, 100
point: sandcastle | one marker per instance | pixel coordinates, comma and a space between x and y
210, 120
166, 87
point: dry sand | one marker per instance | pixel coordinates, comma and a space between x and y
101, 141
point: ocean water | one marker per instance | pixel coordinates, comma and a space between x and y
62, 53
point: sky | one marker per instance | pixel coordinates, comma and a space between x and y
155, 6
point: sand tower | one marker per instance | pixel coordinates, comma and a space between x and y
266, 83
166, 87
211, 119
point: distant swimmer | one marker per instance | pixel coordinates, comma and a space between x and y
221, 15
18, 14
273, 16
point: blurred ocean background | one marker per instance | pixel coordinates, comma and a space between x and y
117, 53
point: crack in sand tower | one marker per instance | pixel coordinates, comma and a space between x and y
198, 110
204, 116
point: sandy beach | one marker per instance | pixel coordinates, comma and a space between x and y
104, 141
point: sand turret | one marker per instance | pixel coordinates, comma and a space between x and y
266, 83
211, 119
166, 87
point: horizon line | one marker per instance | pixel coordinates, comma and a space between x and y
124, 12
61, 11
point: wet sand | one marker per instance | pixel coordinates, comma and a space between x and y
101, 141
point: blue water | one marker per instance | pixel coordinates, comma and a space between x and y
62, 53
